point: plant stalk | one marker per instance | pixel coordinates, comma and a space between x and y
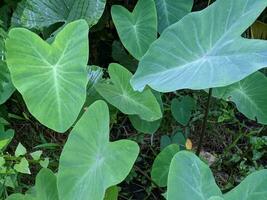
204, 123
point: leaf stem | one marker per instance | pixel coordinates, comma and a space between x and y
204, 123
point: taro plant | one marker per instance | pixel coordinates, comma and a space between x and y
46, 61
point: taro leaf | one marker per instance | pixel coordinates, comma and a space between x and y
121, 95
46, 185
205, 49
146, 126
259, 30
170, 11
137, 30
190, 178
249, 95
120, 55
100, 164
51, 78
252, 188
43, 13
161, 165
182, 109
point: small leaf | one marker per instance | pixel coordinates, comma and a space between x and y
6, 137
23, 166
188, 144
112, 193
161, 165
137, 30
44, 163
182, 109
121, 95
100, 164
36, 155
20, 150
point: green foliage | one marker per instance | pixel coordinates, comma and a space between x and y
120, 94
182, 109
43, 13
170, 11
249, 95
137, 30
161, 165
100, 163
51, 78
212, 55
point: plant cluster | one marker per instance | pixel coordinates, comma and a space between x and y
165, 50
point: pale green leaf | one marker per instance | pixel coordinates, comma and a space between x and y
121, 95
20, 150
51, 78
36, 155
137, 30
161, 165
6, 137
43, 13
190, 178
249, 95
22, 166
170, 11
100, 164
252, 188
44, 163
205, 49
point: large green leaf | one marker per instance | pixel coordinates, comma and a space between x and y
121, 95
46, 185
252, 188
190, 178
43, 13
161, 165
249, 95
137, 30
51, 78
89, 163
205, 49
170, 11
20, 197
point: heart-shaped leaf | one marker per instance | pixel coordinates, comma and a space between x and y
249, 95
170, 11
190, 178
121, 95
43, 13
252, 188
51, 78
205, 49
137, 30
89, 163
182, 109
161, 165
